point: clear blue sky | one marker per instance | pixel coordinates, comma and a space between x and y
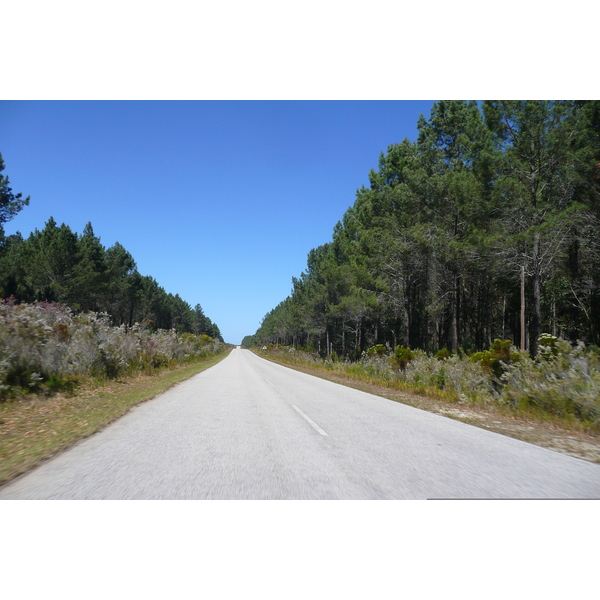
220, 202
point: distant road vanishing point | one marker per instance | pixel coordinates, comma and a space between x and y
250, 429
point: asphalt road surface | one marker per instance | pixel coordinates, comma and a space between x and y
250, 429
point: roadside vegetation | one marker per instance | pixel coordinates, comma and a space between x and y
47, 348
83, 337
561, 385
64, 376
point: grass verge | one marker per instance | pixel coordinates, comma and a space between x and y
567, 437
35, 428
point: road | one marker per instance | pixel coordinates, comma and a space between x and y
250, 429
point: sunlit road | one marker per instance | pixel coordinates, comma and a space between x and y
249, 429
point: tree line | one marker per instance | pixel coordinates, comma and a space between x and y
58, 265
487, 226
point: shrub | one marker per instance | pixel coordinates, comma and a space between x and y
443, 354
401, 357
495, 360
44, 346
548, 346
565, 383
378, 350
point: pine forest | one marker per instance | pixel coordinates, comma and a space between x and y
487, 227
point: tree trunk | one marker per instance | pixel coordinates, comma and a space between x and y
573, 262
504, 317
522, 309
536, 320
454, 317
405, 326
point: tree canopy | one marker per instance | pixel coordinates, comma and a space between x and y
58, 265
10, 204
430, 254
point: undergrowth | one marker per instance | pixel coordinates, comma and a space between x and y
562, 383
47, 348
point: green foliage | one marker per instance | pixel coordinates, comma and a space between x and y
401, 357
56, 383
443, 354
378, 350
495, 360
566, 386
430, 253
500, 355
249, 341
10, 204
57, 265
548, 346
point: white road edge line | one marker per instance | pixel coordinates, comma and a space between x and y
308, 419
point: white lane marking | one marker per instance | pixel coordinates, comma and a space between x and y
309, 420
269, 382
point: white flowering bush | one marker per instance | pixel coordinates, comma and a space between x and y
563, 380
454, 374
46, 345
375, 366
24, 334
